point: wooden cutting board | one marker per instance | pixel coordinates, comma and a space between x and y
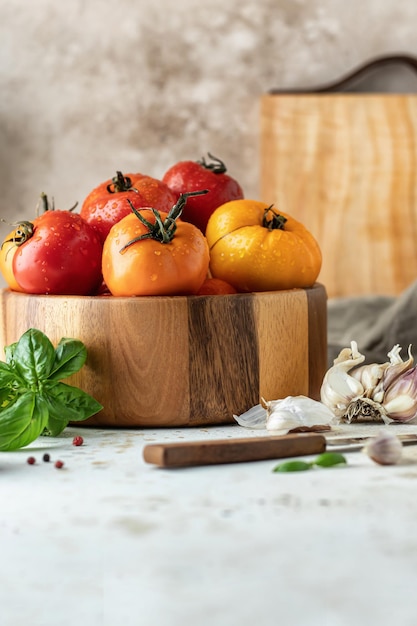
176, 361
345, 165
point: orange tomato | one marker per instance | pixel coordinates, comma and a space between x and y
256, 248
147, 267
215, 286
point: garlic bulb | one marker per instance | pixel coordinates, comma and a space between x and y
376, 392
385, 449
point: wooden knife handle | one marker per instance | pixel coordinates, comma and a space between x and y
213, 452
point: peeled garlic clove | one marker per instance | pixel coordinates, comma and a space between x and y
385, 449
294, 411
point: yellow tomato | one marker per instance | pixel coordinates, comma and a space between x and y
7, 251
256, 248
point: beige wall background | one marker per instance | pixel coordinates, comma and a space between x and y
88, 87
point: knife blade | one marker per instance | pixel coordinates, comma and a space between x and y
353, 444
213, 452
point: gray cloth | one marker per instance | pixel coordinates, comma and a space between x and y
376, 323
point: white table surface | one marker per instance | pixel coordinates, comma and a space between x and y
110, 540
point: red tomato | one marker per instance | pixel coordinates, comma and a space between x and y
62, 257
187, 176
108, 203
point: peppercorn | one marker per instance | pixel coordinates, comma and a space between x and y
77, 441
31, 460
46, 457
59, 464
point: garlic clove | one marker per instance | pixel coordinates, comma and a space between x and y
339, 388
385, 449
400, 399
395, 369
369, 376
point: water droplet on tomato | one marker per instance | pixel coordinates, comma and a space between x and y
153, 277
157, 252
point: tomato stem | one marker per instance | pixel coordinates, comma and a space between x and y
120, 183
218, 167
23, 232
276, 222
46, 206
162, 230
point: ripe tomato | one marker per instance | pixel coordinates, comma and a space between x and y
255, 248
187, 176
152, 253
214, 287
8, 249
109, 202
62, 257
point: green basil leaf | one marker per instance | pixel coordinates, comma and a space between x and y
7, 375
34, 356
9, 352
292, 466
69, 404
70, 356
22, 421
330, 459
7, 396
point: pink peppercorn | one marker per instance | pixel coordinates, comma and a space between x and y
59, 464
31, 460
78, 441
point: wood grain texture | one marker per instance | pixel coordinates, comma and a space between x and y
213, 452
181, 361
345, 165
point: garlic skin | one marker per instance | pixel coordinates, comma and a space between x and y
280, 416
384, 449
294, 411
254, 418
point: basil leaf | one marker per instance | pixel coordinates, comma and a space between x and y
7, 375
33, 356
33, 401
22, 421
68, 404
9, 352
292, 466
330, 459
70, 356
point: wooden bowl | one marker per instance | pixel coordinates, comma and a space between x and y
183, 361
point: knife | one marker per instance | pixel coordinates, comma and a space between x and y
221, 451
214, 452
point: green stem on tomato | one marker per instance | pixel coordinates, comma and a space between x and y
162, 230
218, 167
276, 222
120, 183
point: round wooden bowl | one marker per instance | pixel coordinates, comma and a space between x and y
183, 361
